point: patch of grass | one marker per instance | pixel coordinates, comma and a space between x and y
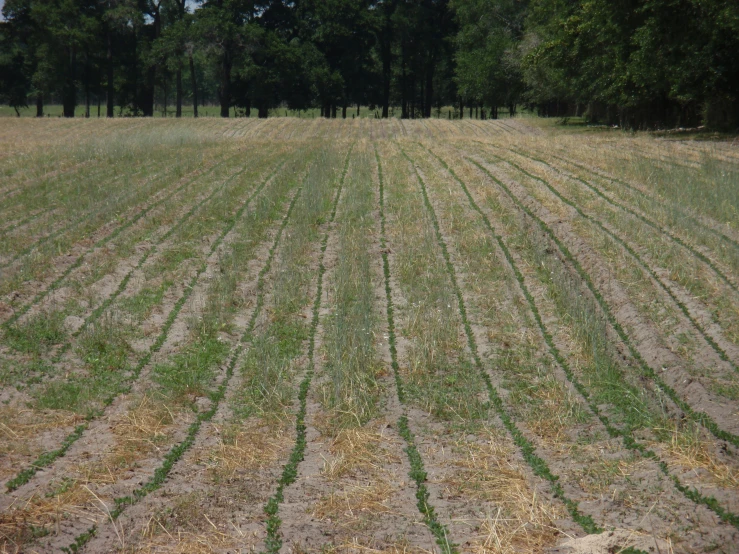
273, 541
142, 303
38, 333
605, 373
103, 346
82, 394
190, 373
538, 465
438, 376
268, 371
352, 394
658, 249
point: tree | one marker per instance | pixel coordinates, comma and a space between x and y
15, 83
488, 67
220, 28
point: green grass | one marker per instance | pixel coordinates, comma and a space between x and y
351, 393
273, 540
538, 465
191, 371
38, 333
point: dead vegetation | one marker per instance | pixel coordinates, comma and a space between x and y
523, 519
244, 448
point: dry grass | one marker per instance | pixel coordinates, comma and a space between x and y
554, 410
20, 430
157, 538
689, 450
39, 515
353, 450
144, 429
244, 448
138, 432
523, 521
355, 502
607, 477
187, 543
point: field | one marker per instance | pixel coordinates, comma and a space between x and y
366, 336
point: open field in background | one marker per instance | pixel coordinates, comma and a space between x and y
363, 336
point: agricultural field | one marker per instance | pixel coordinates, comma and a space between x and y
366, 336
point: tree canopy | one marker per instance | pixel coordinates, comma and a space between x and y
636, 63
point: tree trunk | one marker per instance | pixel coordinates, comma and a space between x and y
386, 90
429, 91
147, 93
178, 109
69, 94
194, 81
413, 96
110, 89
343, 110
39, 105
357, 109
333, 111
151, 73
461, 109
387, 60
87, 86
224, 91
403, 90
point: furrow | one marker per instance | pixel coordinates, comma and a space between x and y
103, 241
649, 222
100, 309
49, 457
710, 226
698, 416
538, 465
626, 435
273, 540
708, 337
415, 460
161, 474
88, 215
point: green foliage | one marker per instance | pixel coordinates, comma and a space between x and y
633, 63
488, 65
636, 64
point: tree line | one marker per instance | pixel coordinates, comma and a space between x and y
635, 63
